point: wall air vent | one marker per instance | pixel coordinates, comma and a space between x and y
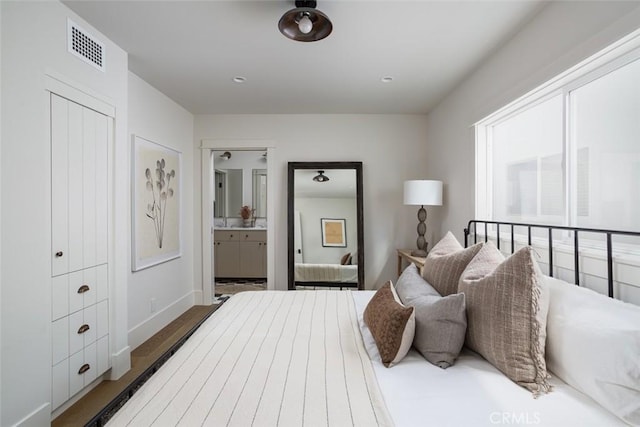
85, 46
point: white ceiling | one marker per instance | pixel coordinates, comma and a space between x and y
191, 50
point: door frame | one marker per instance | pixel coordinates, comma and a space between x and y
207, 146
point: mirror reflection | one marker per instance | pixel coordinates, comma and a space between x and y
228, 197
325, 222
260, 192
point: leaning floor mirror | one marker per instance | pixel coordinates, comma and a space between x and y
325, 225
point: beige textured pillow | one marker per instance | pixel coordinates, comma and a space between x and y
507, 307
446, 262
391, 324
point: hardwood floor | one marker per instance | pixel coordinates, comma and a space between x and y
142, 358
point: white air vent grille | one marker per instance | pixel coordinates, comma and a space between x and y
85, 46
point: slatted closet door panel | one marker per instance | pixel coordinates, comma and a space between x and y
79, 147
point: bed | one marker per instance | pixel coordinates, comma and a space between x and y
308, 358
335, 275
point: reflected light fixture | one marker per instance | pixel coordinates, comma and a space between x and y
305, 23
422, 192
321, 177
226, 155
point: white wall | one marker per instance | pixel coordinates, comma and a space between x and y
312, 209
561, 35
155, 117
33, 43
392, 148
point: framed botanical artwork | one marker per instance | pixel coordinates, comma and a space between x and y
333, 233
155, 199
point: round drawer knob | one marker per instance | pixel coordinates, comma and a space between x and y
59, 254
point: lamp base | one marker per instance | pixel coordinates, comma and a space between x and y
419, 253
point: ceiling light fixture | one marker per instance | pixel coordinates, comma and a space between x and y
305, 23
321, 177
386, 79
239, 79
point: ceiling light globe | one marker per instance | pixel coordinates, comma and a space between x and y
305, 25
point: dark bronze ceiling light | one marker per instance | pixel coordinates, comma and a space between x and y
305, 23
321, 177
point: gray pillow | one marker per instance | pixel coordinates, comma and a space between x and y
411, 285
441, 322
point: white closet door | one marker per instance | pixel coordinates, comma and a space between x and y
59, 185
79, 144
89, 184
103, 134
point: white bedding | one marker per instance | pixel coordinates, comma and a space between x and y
326, 273
254, 362
472, 393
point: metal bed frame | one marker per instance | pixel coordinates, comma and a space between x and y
550, 229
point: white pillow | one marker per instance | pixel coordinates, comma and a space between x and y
593, 344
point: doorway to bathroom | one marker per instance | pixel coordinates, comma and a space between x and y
237, 213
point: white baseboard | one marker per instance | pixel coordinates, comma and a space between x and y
120, 363
38, 418
147, 328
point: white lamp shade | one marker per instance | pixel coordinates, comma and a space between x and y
423, 192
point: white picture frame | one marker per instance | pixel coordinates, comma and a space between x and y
156, 181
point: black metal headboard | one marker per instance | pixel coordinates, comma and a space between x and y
550, 229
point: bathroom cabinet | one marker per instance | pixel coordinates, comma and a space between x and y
240, 253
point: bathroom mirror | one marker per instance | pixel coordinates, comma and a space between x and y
325, 225
228, 189
259, 191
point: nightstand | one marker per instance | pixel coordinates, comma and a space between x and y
405, 254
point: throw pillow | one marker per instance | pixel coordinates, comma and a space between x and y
391, 324
441, 322
446, 262
411, 285
346, 259
507, 307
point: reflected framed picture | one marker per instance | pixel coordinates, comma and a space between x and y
333, 233
156, 192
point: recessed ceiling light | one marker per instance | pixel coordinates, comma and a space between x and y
239, 79
386, 79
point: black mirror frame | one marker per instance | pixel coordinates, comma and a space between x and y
292, 167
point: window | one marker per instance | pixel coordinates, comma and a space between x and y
569, 152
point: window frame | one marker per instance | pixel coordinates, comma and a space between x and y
615, 56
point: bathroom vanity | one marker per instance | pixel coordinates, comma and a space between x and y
240, 252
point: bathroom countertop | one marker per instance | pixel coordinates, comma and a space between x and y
239, 228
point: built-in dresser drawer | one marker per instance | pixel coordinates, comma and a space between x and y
74, 291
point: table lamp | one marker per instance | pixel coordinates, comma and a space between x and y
422, 193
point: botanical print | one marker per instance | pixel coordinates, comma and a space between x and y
160, 192
156, 203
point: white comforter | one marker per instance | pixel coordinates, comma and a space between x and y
473, 393
266, 359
